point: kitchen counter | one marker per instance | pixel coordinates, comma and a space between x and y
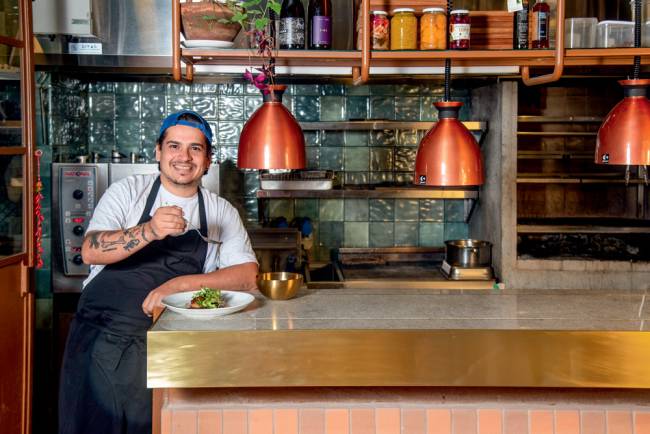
411, 337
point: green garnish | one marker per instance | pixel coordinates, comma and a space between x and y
207, 298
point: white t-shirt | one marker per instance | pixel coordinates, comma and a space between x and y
121, 206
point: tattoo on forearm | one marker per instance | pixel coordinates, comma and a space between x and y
131, 244
155, 235
144, 237
127, 238
94, 240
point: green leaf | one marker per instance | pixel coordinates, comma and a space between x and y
250, 3
277, 7
260, 23
239, 17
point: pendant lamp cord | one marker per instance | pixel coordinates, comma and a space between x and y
448, 61
637, 37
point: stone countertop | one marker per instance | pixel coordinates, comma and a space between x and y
428, 309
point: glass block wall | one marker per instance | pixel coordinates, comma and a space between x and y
83, 116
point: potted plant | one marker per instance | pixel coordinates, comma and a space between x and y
209, 20
255, 16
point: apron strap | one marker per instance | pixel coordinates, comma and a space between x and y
202, 216
150, 200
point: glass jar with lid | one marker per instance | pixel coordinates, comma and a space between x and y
379, 25
459, 29
433, 29
403, 29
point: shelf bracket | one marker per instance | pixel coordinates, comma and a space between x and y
559, 54
176, 40
361, 74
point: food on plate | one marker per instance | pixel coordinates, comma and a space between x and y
207, 298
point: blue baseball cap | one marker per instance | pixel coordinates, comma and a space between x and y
173, 119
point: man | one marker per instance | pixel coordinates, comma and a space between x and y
142, 246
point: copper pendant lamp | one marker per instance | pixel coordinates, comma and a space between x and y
624, 136
272, 138
448, 155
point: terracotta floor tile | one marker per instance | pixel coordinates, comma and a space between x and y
286, 421
593, 422
260, 421
337, 421
362, 421
414, 421
438, 421
567, 422
490, 421
463, 421
641, 423
184, 422
387, 421
515, 422
312, 421
209, 422
541, 422
619, 422
234, 422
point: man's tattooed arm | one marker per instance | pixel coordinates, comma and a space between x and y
108, 247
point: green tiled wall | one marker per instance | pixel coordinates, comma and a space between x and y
96, 116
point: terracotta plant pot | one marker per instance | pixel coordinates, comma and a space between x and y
201, 21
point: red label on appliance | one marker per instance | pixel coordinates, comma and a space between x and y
77, 173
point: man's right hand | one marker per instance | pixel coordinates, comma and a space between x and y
167, 220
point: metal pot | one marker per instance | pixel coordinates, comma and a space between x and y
468, 253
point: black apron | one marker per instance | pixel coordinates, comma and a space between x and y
103, 378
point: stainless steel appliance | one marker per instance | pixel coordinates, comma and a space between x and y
76, 189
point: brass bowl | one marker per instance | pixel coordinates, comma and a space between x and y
279, 286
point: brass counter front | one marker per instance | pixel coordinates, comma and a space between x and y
378, 357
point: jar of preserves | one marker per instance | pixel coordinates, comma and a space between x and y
459, 30
433, 29
379, 25
403, 29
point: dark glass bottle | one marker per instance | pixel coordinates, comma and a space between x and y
320, 24
539, 22
520, 37
292, 25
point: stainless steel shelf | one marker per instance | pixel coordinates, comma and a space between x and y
557, 133
376, 193
559, 120
555, 155
382, 125
587, 179
581, 229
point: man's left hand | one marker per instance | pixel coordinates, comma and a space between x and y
154, 298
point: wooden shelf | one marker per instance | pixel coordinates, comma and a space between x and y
540, 58
382, 125
374, 193
581, 229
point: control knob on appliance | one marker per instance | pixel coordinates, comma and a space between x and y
78, 230
77, 260
78, 194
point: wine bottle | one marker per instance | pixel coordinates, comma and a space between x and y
539, 22
520, 37
320, 24
292, 25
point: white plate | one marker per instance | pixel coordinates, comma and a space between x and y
235, 301
206, 43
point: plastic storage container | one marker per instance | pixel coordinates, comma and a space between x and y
615, 34
580, 32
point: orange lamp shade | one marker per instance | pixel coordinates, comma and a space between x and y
624, 136
272, 138
448, 154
